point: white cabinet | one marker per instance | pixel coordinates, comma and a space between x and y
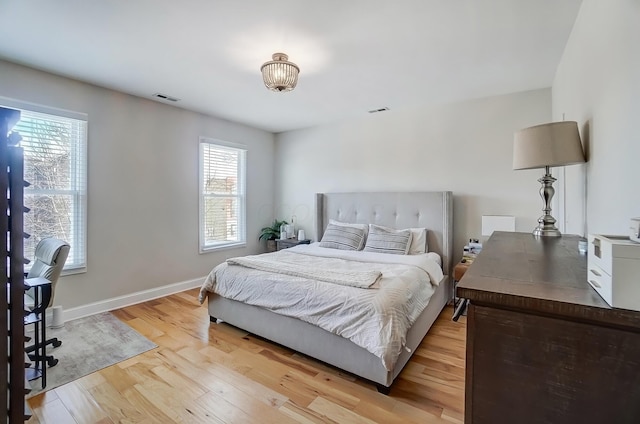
613, 270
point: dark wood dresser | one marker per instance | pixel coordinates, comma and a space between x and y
542, 345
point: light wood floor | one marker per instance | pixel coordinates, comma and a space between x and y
206, 373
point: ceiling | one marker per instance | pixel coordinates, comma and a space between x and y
354, 55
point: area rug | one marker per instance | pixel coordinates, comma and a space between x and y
89, 344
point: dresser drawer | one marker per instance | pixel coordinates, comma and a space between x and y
601, 282
600, 253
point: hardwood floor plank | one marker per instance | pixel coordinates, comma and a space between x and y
412, 413
119, 378
295, 380
143, 327
289, 361
219, 379
221, 411
337, 413
116, 405
80, 403
367, 395
251, 406
380, 415
176, 405
324, 368
453, 416
304, 415
54, 413
217, 356
170, 342
217, 373
147, 408
273, 380
429, 396
417, 372
91, 380
41, 398
179, 382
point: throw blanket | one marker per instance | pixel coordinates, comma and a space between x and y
362, 279
376, 319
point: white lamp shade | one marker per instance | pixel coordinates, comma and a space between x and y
553, 144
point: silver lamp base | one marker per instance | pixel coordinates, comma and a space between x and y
546, 223
546, 232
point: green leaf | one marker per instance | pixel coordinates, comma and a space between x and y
272, 232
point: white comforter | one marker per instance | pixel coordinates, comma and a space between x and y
376, 319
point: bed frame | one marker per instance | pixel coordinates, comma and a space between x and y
433, 210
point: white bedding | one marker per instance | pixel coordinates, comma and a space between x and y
376, 319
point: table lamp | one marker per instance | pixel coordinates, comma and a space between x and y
544, 146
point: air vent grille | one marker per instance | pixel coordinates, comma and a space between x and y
165, 97
382, 109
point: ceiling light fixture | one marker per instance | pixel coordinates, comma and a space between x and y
279, 74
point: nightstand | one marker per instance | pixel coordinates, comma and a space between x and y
459, 304
287, 243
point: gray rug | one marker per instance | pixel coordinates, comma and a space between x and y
88, 345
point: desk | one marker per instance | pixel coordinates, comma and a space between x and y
42, 290
542, 346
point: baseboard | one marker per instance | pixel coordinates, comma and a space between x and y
126, 300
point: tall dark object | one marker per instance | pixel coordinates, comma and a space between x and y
12, 300
542, 346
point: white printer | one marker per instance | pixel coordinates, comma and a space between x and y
635, 230
613, 270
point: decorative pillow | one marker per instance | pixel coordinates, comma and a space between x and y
339, 235
418, 241
387, 240
363, 227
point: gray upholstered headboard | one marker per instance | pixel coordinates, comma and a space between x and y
431, 209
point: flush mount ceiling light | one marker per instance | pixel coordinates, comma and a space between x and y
279, 74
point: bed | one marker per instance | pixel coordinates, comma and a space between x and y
432, 210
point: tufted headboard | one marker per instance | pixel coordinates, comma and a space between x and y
430, 209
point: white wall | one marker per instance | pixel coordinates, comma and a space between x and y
143, 185
598, 84
463, 147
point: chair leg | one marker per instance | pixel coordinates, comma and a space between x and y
54, 342
50, 359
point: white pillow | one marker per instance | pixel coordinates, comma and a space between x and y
365, 227
387, 240
343, 236
418, 241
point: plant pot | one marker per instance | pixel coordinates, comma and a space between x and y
271, 246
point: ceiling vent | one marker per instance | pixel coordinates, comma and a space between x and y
382, 109
165, 97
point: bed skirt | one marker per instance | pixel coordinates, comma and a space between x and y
323, 345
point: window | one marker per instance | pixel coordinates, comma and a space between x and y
222, 195
55, 165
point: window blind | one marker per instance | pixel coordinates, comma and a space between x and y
222, 195
55, 164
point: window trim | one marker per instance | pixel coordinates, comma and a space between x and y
242, 212
68, 269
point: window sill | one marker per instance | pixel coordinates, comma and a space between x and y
71, 271
225, 246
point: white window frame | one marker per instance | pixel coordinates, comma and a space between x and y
79, 192
241, 195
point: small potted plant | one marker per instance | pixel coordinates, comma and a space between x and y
271, 233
